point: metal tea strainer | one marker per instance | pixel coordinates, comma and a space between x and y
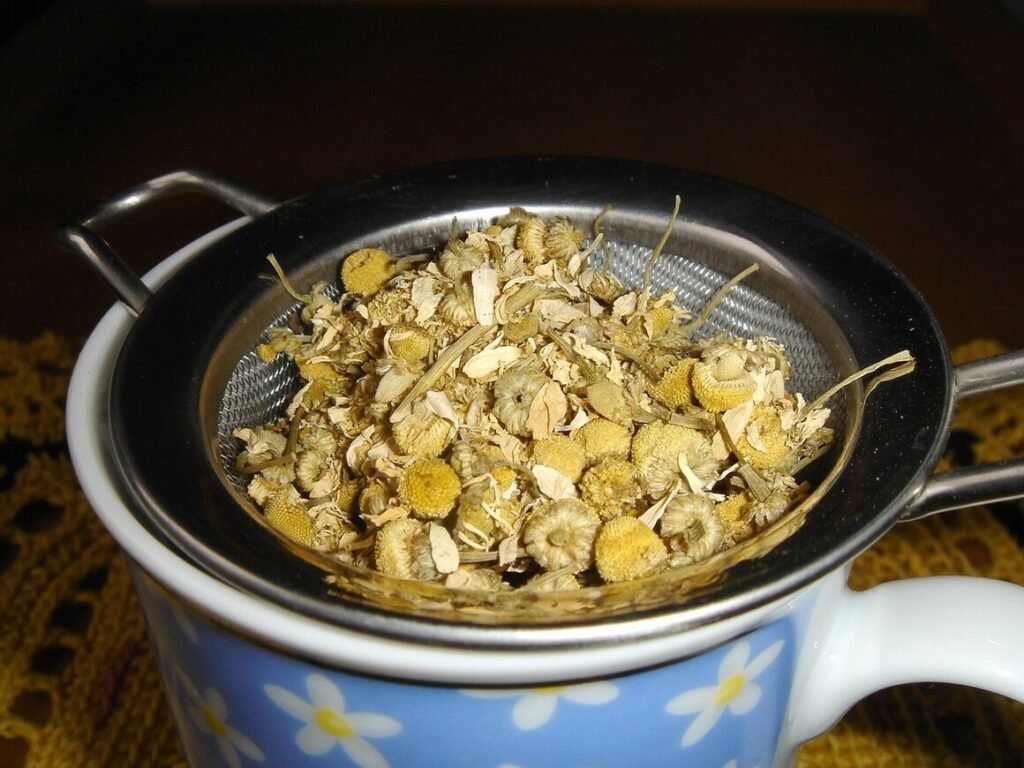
188, 375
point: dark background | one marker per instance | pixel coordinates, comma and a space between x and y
902, 120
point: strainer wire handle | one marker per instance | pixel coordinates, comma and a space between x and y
993, 482
79, 236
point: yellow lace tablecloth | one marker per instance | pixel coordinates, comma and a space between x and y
79, 687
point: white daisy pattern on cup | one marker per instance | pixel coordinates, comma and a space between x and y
328, 723
209, 711
735, 691
535, 706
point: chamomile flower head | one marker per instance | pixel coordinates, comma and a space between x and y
610, 487
409, 342
561, 453
422, 432
289, 518
514, 391
365, 271
374, 499
674, 388
522, 327
562, 239
626, 549
604, 438
429, 487
392, 547
602, 285
735, 512
458, 258
530, 238
692, 528
763, 444
720, 380
560, 534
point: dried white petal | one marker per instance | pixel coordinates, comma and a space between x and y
485, 291
489, 361
443, 550
553, 483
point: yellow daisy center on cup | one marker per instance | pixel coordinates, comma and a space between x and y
333, 723
729, 688
214, 721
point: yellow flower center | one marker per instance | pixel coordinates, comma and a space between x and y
333, 723
214, 721
730, 688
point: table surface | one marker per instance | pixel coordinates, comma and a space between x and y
899, 126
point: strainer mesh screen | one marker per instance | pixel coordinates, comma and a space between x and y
258, 392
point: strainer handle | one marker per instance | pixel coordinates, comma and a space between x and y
79, 237
987, 483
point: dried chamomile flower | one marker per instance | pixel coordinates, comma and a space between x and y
482, 579
561, 453
505, 476
456, 311
763, 443
765, 512
481, 518
692, 528
530, 238
602, 285
610, 487
392, 548
458, 259
661, 450
429, 487
720, 380
260, 489
562, 239
409, 342
657, 320
290, 519
626, 549
674, 388
560, 534
374, 499
735, 513
433, 553
422, 432
309, 468
523, 327
390, 306
514, 391
346, 495
365, 271
313, 437
601, 438
261, 444
563, 580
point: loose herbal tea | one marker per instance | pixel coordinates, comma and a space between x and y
510, 416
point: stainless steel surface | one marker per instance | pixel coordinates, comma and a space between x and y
968, 487
839, 305
971, 486
989, 374
79, 237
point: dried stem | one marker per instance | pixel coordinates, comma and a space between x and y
691, 327
649, 269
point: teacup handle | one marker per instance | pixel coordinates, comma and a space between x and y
939, 629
